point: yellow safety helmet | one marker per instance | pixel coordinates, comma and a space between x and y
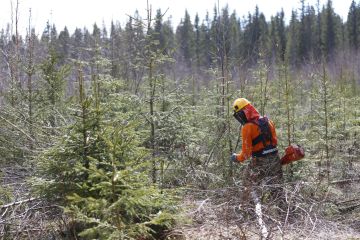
239, 104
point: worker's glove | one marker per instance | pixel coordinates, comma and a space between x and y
233, 158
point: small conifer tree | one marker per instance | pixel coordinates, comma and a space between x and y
98, 173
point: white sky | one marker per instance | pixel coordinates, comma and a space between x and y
84, 13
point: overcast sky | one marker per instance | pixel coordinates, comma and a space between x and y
84, 13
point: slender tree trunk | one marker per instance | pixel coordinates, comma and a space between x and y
152, 87
30, 72
287, 103
83, 116
242, 80
326, 121
152, 123
289, 118
225, 101
17, 55
264, 78
14, 56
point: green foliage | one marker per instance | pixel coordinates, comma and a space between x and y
98, 172
329, 36
170, 122
353, 25
125, 205
186, 39
50, 98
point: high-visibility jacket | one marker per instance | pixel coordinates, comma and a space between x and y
249, 132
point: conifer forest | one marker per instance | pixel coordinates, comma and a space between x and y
127, 132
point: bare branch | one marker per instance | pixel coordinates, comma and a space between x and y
18, 203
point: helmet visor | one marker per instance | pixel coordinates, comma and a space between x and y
240, 116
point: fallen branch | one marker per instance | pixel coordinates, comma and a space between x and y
200, 206
349, 208
259, 215
18, 128
348, 201
346, 181
25, 230
17, 203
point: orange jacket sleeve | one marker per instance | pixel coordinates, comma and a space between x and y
246, 149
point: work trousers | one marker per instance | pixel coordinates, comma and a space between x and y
264, 176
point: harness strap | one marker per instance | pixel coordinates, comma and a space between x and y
265, 135
265, 131
258, 139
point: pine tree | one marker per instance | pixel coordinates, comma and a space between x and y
197, 43
277, 37
30, 72
115, 52
292, 44
234, 39
14, 137
77, 40
206, 44
303, 34
133, 56
353, 25
329, 33
53, 90
321, 136
158, 31
63, 46
97, 172
185, 38
313, 34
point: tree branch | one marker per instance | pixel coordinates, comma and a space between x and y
17, 203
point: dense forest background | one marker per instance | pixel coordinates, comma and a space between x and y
108, 133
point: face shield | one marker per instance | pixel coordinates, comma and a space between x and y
240, 116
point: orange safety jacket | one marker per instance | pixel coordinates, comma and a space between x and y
249, 132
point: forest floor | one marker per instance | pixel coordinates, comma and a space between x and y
312, 211
217, 215
22, 215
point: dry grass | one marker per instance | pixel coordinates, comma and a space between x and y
24, 216
218, 215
